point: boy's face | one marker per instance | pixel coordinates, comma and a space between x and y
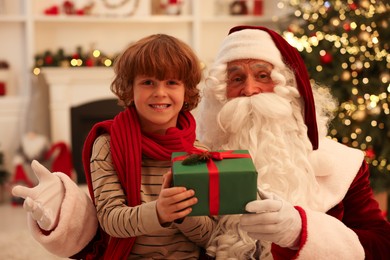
158, 102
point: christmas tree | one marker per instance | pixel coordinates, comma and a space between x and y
345, 45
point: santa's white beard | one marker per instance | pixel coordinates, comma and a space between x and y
272, 129
267, 126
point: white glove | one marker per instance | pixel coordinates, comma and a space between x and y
275, 220
44, 200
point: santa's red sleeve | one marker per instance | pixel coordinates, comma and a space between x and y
77, 223
353, 229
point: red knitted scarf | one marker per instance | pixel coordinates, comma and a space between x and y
127, 145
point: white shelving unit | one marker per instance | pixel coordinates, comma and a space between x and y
26, 31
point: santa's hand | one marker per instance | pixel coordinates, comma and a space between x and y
44, 200
275, 220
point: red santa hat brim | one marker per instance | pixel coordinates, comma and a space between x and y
247, 42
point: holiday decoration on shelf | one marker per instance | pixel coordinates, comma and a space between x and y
115, 8
79, 58
345, 45
238, 7
173, 7
258, 7
70, 8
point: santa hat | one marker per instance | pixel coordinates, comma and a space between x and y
256, 42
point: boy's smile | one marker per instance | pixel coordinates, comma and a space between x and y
158, 102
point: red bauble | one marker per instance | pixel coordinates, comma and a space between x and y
347, 27
80, 12
52, 10
326, 58
370, 153
49, 60
353, 6
89, 62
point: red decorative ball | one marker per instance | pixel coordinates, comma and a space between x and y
326, 58
52, 10
353, 6
347, 27
48, 60
89, 62
370, 153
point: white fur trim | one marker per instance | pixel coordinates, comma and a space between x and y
77, 223
249, 44
335, 166
329, 238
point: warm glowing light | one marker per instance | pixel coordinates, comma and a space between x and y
96, 53
36, 71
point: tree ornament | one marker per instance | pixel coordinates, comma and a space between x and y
352, 6
326, 58
347, 26
370, 153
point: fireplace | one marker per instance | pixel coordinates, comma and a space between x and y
83, 117
78, 98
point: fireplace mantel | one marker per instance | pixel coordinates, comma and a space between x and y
70, 87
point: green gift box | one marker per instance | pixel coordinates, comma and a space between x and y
223, 184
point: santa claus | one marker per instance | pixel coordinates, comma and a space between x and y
315, 201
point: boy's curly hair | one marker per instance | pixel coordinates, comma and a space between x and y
160, 56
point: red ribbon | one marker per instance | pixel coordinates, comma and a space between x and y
214, 173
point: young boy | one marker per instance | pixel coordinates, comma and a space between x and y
127, 162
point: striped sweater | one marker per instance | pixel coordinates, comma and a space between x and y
176, 241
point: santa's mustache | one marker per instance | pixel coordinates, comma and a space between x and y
246, 110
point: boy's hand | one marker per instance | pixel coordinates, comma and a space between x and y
174, 202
